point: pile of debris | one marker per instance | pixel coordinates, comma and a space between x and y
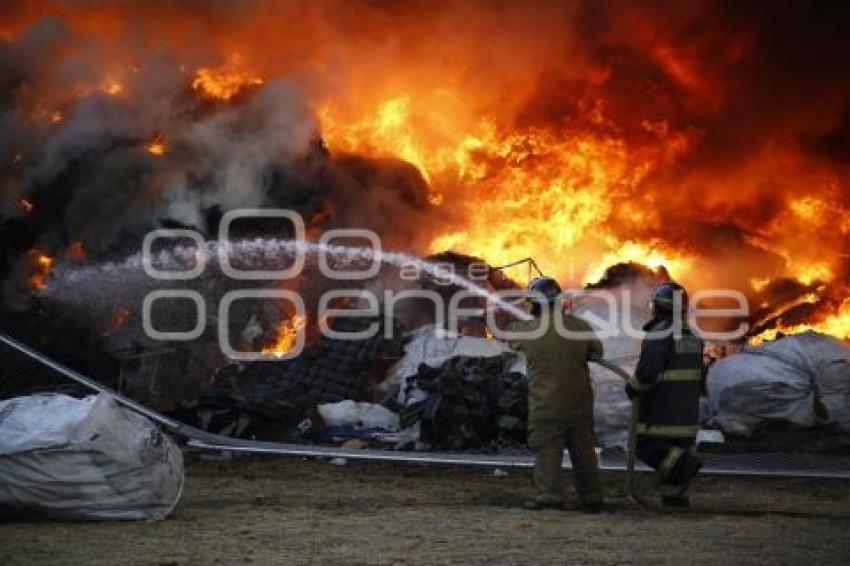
268, 400
452, 392
466, 393
428, 389
469, 403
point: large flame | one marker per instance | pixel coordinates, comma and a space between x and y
701, 139
836, 324
528, 192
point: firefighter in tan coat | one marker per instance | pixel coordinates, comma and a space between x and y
560, 398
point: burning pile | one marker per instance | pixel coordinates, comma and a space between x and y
709, 139
287, 336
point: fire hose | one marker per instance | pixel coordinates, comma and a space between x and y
632, 443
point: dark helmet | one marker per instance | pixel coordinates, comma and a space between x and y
666, 296
546, 286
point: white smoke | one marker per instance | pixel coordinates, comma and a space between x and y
236, 150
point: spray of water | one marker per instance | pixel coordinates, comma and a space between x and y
265, 254
400, 259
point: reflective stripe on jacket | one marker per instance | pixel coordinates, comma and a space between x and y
669, 380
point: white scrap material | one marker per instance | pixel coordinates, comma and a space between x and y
433, 347
85, 459
351, 413
611, 407
710, 436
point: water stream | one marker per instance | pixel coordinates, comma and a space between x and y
259, 254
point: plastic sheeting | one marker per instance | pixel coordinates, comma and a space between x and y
433, 347
85, 459
352, 413
780, 381
612, 407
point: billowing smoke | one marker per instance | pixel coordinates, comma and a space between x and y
708, 137
91, 164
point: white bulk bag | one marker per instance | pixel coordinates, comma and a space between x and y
779, 381
85, 459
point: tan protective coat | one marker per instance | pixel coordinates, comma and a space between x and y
559, 386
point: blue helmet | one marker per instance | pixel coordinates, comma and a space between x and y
546, 286
666, 296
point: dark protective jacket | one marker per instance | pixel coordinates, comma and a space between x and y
559, 388
668, 380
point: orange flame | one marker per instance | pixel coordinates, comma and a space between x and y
25, 205
157, 145
835, 324
577, 145
222, 83
41, 265
287, 336
528, 192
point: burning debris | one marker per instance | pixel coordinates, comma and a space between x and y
569, 170
41, 265
287, 336
617, 155
223, 84
268, 399
157, 145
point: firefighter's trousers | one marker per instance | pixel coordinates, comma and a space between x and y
549, 439
672, 459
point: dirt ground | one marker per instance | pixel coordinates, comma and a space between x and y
290, 511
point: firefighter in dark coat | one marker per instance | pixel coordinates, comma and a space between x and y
667, 385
